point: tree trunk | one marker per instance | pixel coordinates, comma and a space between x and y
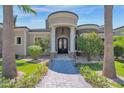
8, 52
108, 66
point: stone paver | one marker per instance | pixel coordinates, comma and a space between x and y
63, 74
58, 80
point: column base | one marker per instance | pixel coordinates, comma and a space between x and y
53, 55
72, 54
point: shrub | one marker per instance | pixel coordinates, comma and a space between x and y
85, 70
34, 51
44, 43
91, 44
19, 56
118, 51
94, 79
46, 63
118, 46
33, 79
26, 81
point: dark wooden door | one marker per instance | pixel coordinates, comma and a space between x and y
62, 45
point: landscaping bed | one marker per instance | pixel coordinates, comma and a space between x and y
90, 73
32, 75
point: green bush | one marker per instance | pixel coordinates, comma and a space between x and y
85, 70
94, 79
26, 81
91, 44
19, 56
118, 46
44, 43
35, 51
118, 51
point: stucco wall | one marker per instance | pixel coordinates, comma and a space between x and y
20, 32
58, 19
0, 41
82, 29
87, 26
31, 37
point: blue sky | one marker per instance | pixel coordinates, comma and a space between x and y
88, 14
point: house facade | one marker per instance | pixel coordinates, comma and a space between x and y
61, 30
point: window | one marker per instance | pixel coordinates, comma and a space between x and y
18, 40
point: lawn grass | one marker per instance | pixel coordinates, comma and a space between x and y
24, 66
98, 67
119, 68
117, 85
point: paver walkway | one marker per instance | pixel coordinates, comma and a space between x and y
63, 74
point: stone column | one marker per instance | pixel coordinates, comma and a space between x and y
52, 46
72, 42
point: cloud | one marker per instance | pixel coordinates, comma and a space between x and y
41, 9
25, 15
32, 23
89, 9
51, 8
83, 9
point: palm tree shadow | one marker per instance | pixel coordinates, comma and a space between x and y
25, 63
120, 60
119, 80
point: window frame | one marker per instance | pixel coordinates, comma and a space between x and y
16, 40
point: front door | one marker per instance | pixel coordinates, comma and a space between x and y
62, 45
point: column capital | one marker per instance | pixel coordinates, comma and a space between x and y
53, 28
72, 28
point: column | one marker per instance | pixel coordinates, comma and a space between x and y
72, 42
52, 37
72, 39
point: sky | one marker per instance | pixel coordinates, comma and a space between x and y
88, 14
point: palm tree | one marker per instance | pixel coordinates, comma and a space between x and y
15, 20
8, 52
108, 66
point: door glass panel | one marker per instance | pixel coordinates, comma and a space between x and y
60, 43
65, 43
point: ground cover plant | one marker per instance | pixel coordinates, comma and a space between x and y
32, 74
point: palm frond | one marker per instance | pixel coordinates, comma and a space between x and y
27, 9
15, 20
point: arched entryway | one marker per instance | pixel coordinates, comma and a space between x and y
62, 45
